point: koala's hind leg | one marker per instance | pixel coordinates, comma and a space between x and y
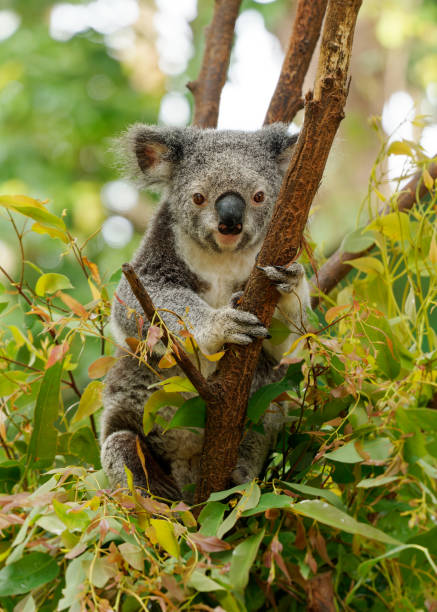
126, 390
120, 450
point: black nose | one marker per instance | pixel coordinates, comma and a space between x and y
230, 209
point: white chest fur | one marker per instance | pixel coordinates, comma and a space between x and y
222, 273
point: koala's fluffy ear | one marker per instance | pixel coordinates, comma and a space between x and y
148, 153
280, 142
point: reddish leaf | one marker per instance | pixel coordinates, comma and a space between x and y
100, 366
93, 268
154, 334
73, 305
208, 543
57, 353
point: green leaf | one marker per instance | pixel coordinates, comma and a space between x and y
53, 232
211, 517
31, 208
243, 557
219, 495
90, 401
378, 450
369, 265
42, 446
84, 446
192, 413
356, 241
73, 520
268, 501
395, 225
133, 555
278, 331
368, 483
177, 383
263, 397
248, 500
415, 419
165, 536
314, 491
29, 572
400, 147
328, 515
52, 282
202, 583
13, 380
158, 400
3, 305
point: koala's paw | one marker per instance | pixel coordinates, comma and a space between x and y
230, 326
285, 279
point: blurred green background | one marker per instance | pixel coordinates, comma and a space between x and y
73, 75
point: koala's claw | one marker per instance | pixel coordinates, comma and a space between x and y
285, 279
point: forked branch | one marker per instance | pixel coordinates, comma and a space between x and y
323, 113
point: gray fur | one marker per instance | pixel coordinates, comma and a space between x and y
188, 267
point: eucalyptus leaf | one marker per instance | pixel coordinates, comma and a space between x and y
29, 572
42, 446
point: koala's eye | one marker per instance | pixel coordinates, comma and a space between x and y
259, 197
198, 199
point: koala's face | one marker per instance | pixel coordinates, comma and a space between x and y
221, 185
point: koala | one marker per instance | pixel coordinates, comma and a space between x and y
218, 192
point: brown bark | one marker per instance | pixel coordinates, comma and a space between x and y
207, 89
287, 99
323, 113
335, 268
205, 390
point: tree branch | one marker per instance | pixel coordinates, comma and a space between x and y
207, 391
207, 89
287, 99
335, 268
323, 113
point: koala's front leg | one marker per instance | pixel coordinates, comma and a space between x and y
292, 306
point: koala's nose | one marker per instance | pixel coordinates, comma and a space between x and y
230, 209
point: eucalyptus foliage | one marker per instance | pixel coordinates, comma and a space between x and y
347, 507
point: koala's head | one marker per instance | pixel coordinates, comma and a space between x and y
221, 186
